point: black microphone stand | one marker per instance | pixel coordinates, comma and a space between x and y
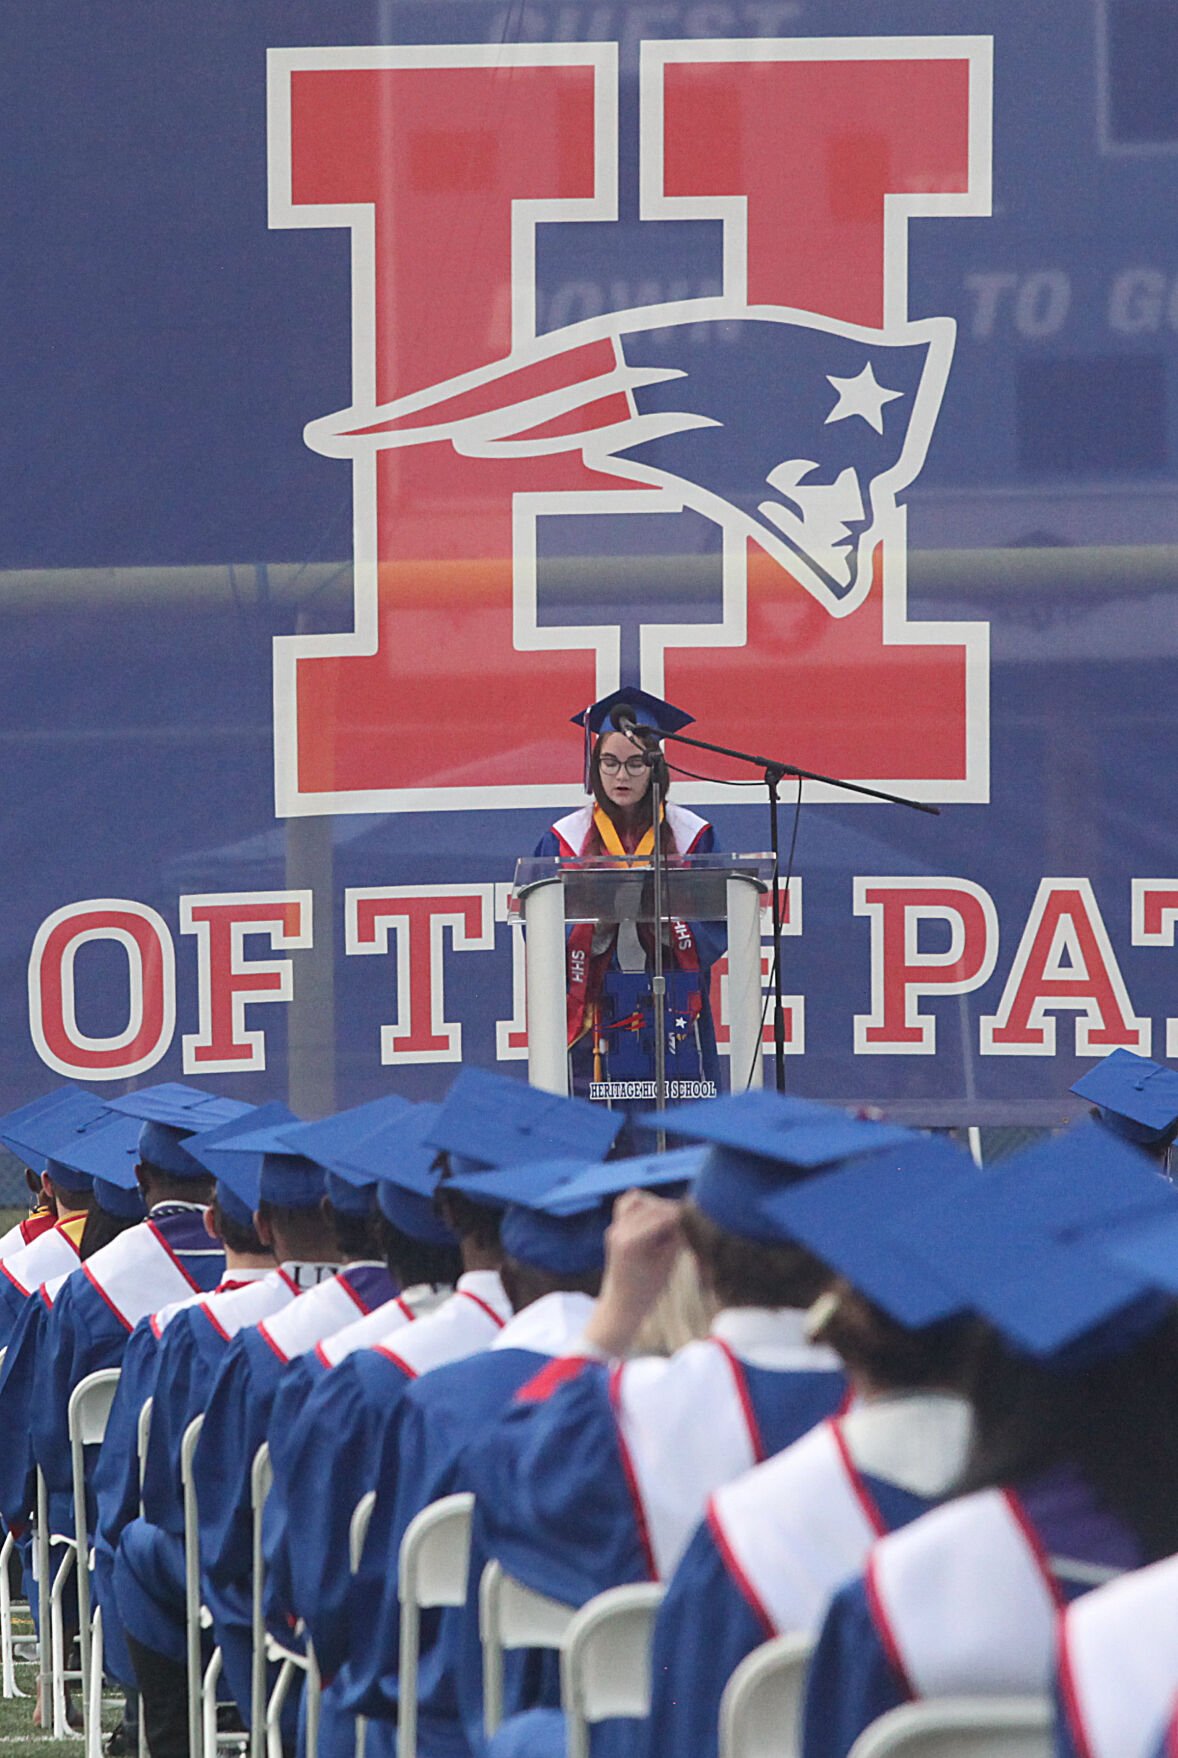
774, 773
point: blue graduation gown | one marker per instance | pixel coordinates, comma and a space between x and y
552, 1481
852, 1679
236, 1423
85, 1333
19, 1390
443, 1419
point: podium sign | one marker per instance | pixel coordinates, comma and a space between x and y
550, 893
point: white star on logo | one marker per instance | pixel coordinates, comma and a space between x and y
860, 395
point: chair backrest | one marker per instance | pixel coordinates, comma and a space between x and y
962, 1727
89, 1406
192, 1581
358, 1528
512, 1616
142, 1437
432, 1567
605, 1659
261, 1478
760, 1711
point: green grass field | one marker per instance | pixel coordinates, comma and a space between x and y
16, 1713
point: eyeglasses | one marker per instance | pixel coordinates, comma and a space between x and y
633, 766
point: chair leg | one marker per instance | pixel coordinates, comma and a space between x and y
313, 1689
275, 1707
10, 1686
208, 1703
57, 1645
92, 1723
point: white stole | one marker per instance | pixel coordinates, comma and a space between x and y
469, 1321
963, 1600
52, 1253
137, 1274
1119, 1662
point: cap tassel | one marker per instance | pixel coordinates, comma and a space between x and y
588, 777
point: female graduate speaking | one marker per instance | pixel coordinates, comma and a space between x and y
610, 1005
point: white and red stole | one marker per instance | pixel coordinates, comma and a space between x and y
791, 1530
586, 969
55, 1252
25, 1232
964, 1600
138, 1273
333, 1303
1118, 1663
687, 1424
406, 1308
471, 1320
231, 1282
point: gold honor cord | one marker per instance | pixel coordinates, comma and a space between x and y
607, 830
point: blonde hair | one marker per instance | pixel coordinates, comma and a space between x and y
682, 1313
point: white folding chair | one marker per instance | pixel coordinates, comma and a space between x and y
261, 1477
203, 1739
357, 1533
605, 1660
41, 1573
142, 1439
512, 1616
431, 1571
962, 1727
86, 1418
760, 1711
10, 1686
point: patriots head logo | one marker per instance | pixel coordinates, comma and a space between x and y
792, 429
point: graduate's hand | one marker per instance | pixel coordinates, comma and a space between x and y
641, 1245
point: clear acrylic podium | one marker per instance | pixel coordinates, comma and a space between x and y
550, 892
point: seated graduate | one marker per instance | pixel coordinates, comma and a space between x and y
117, 1488
1075, 1432
487, 1120
30, 1132
1117, 1687
609, 963
553, 1253
148, 1577
56, 1250
305, 1533
600, 1472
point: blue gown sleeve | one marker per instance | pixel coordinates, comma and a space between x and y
851, 1681
116, 1470
12, 1301
704, 1629
20, 1384
559, 1514
233, 1429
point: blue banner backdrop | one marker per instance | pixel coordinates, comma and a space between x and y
821, 381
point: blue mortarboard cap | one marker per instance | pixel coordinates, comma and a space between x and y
117, 1200
1020, 1246
294, 1181
488, 1119
170, 1112
544, 1222
33, 1129
331, 1141
658, 1172
107, 1150
764, 1140
1136, 1098
231, 1152
859, 1217
394, 1156
647, 710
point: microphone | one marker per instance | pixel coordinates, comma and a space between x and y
621, 718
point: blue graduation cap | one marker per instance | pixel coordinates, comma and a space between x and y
351, 1187
393, 1158
488, 1119
555, 1212
31, 1131
763, 1140
859, 1217
256, 1163
1020, 1246
108, 1153
647, 711
1136, 1098
235, 1169
170, 1112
